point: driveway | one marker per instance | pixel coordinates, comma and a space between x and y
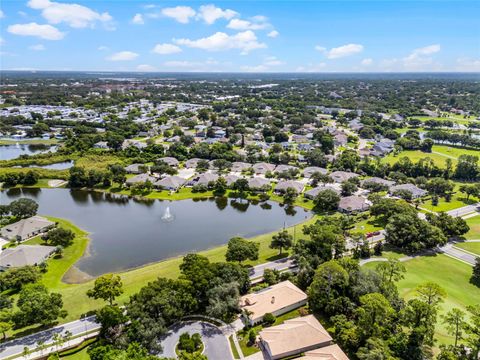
217, 346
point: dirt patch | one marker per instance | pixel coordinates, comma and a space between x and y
56, 183
76, 276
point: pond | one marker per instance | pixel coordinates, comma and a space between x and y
127, 233
56, 166
9, 152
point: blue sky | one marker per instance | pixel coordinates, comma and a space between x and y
277, 36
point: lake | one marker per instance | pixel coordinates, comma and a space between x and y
127, 233
56, 166
9, 152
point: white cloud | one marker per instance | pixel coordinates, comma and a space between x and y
210, 13
239, 24
255, 68
146, 68
273, 34
75, 15
268, 63
138, 19
38, 47
418, 59
312, 67
103, 48
367, 62
165, 49
341, 51
182, 14
468, 64
181, 64
47, 32
245, 41
2, 40
2, 14
122, 56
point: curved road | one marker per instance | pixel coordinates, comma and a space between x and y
217, 346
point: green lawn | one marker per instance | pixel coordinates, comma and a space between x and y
452, 275
473, 247
233, 347
458, 200
474, 223
29, 142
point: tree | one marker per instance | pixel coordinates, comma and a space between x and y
37, 306
475, 279
107, 287
348, 188
289, 196
223, 301
431, 293
455, 323
60, 236
374, 312
15, 278
23, 208
326, 200
470, 190
412, 234
240, 249
450, 226
112, 319
4, 327
472, 330
282, 241
391, 270
328, 288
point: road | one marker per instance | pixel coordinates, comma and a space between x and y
214, 339
464, 210
256, 272
15, 347
458, 254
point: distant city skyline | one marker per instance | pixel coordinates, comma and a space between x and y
241, 36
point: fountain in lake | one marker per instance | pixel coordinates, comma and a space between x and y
167, 216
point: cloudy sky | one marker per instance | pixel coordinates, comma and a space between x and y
254, 36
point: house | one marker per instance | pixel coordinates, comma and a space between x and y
171, 161
416, 191
340, 139
239, 166
172, 183
135, 168
192, 163
140, 178
263, 168
353, 203
277, 299
283, 168
312, 193
310, 170
341, 176
129, 142
282, 186
24, 255
231, 179
330, 352
258, 184
101, 145
26, 228
293, 337
377, 180
382, 148
355, 125
204, 179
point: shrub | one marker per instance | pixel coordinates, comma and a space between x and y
269, 319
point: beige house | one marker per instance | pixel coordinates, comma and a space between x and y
331, 352
276, 299
26, 228
294, 337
